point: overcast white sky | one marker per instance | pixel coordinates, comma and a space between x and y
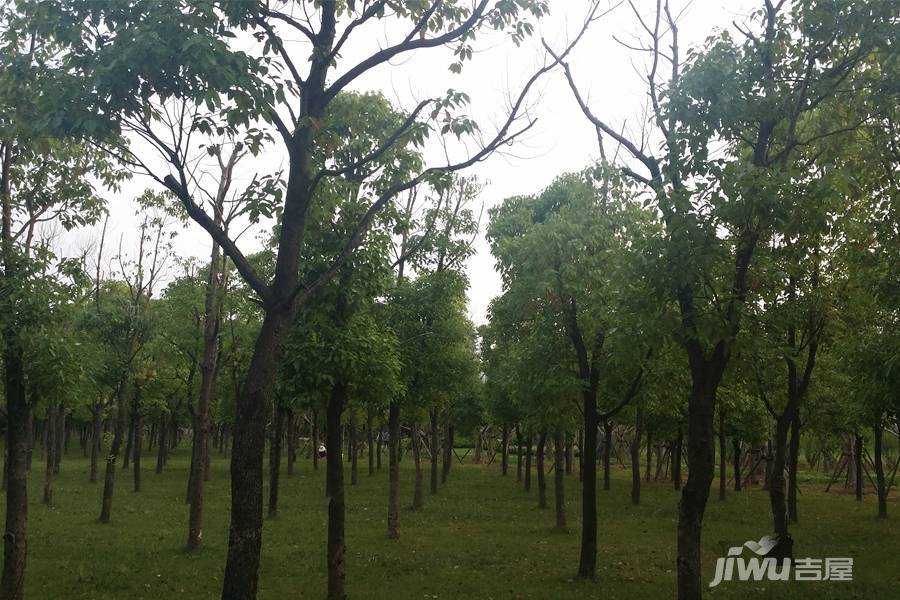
562, 140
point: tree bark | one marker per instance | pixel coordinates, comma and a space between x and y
528, 443
541, 473
722, 455
15, 542
393, 515
275, 460
315, 439
519, 454
736, 449
370, 442
248, 446
434, 451
504, 449
129, 442
109, 479
138, 441
163, 444
418, 489
880, 481
701, 469
50, 454
857, 460
587, 564
335, 475
636, 455
96, 438
354, 450
793, 464
559, 478
607, 450
677, 450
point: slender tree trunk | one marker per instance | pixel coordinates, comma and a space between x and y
635, 449
370, 442
291, 441
607, 449
581, 454
736, 449
354, 451
335, 475
723, 459
419, 487
315, 439
649, 454
393, 516
701, 470
129, 442
62, 438
504, 449
528, 443
109, 479
793, 464
676, 459
880, 481
275, 460
559, 478
51, 454
96, 438
519, 454
434, 451
138, 443
448, 452
587, 564
163, 445
15, 542
541, 472
777, 496
857, 460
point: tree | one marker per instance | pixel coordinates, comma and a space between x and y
751, 96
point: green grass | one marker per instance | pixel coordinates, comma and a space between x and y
481, 537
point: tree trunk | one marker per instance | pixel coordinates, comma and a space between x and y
559, 478
519, 454
138, 442
163, 442
370, 442
701, 470
109, 479
570, 455
581, 454
777, 496
291, 441
528, 443
61, 434
677, 451
636, 455
96, 439
315, 439
736, 449
448, 452
335, 475
504, 449
722, 457
880, 481
51, 454
275, 460
18, 432
393, 516
129, 442
434, 451
607, 450
793, 464
418, 490
857, 460
541, 473
587, 564
354, 451
649, 454
248, 447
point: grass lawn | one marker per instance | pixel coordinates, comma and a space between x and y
481, 537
